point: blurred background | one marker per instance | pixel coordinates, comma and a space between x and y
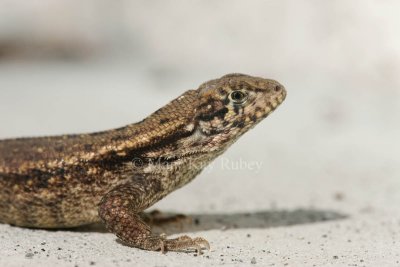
73, 66
70, 66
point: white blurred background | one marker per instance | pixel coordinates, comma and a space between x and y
80, 66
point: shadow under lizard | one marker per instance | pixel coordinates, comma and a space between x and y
113, 176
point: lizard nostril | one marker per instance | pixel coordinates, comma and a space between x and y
278, 88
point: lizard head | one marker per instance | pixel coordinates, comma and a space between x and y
234, 103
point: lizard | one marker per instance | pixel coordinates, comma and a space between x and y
113, 176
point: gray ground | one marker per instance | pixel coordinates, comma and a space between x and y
316, 184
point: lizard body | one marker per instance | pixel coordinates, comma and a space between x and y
112, 176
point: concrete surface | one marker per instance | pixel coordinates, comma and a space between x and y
316, 184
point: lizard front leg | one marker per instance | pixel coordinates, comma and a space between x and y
120, 211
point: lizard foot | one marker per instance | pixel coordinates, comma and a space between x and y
117, 212
183, 243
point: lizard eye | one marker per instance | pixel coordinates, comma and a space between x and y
238, 97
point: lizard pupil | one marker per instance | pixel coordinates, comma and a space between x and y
238, 97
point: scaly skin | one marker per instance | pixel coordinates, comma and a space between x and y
72, 180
